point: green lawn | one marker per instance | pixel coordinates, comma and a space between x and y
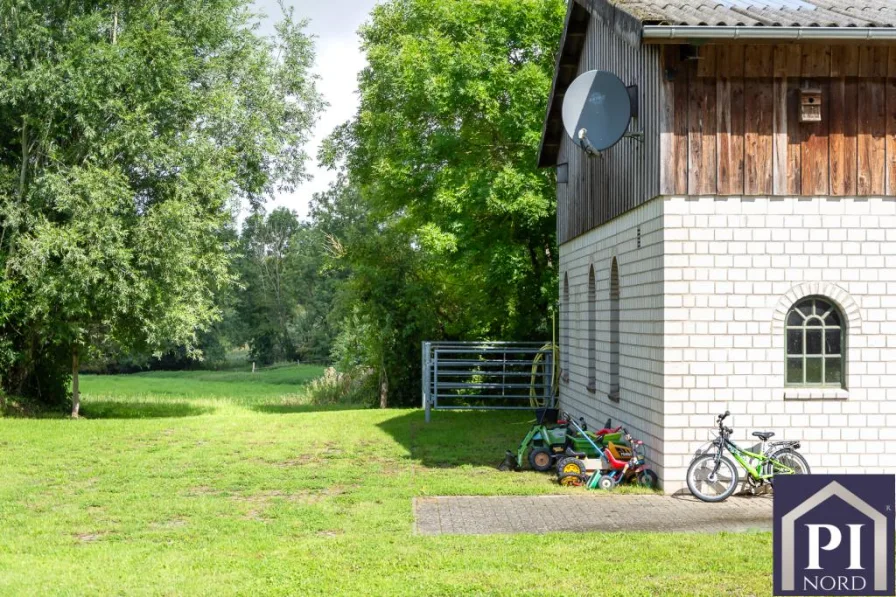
226, 483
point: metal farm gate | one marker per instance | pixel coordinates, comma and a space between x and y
487, 376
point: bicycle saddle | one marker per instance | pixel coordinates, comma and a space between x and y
764, 435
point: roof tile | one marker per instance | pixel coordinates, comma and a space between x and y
787, 13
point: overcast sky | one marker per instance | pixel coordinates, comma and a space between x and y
339, 59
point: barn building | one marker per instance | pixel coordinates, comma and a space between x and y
741, 253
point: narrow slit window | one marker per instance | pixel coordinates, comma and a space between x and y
565, 343
592, 331
614, 331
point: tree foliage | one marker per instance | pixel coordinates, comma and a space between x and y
282, 307
442, 152
127, 132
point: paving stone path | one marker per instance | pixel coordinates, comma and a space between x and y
584, 513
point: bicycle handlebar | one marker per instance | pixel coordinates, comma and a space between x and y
725, 431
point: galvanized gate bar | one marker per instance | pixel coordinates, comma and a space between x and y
487, 375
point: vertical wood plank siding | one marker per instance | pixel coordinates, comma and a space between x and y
730, 111
730, 120
627, 175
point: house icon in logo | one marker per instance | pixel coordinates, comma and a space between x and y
788, 534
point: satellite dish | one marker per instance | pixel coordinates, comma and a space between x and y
597, 109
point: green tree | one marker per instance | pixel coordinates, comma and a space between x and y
385, 292
129, 131
443, 154
289, 281
267, 300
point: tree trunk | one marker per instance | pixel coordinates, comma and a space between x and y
76, 392
23, 173
384, 389
23, 179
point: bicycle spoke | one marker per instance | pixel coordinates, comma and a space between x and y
787, 462
713, 485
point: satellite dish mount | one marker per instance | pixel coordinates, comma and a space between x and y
597, 110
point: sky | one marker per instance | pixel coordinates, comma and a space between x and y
339, 60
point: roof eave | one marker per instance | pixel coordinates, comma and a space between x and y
547, 147
695, 33
578, 19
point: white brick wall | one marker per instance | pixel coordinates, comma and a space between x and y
734, 267
640, 324
701, 311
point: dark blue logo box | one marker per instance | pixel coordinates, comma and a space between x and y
833, 534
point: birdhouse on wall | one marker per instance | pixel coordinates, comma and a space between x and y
810, 104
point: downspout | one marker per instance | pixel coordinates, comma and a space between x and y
683, 33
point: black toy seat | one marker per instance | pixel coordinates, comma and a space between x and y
764, 435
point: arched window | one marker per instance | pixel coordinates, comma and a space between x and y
816, 344
614, 331
565, 343
592, 331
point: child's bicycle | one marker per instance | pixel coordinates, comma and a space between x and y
712, 477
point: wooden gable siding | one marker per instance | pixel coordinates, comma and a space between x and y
732, 125
625, 176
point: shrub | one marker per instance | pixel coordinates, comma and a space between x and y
355, 387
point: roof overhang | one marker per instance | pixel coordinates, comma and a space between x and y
702, 33
578, 18
565, 71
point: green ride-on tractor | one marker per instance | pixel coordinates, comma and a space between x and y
544, 443
550, 440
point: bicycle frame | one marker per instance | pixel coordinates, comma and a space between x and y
743, 456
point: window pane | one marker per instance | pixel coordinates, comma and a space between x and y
833, 371
813, 342
813, 370
795, 318
805, 308
833, 319
814, 322
794, 370
832, 342
794, 341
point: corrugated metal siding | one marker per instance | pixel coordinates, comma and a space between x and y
625, 176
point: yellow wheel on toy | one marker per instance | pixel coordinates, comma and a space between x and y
571, 480
572, 466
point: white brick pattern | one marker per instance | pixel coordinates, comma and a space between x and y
702, 311
640, 327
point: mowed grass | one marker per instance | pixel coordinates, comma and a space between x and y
229, 483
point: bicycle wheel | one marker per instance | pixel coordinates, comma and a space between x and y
709, 486
647, 479
789, 458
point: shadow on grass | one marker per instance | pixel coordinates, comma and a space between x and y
460, 438
287, 409
102, 409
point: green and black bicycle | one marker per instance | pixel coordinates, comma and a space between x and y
712, 476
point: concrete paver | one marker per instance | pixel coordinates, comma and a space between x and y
595, 513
